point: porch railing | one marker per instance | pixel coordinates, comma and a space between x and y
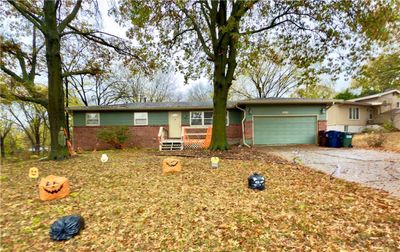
162, 134
196, 137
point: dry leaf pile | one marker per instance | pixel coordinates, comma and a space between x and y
129, 205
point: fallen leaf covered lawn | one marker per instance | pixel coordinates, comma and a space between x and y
128, 204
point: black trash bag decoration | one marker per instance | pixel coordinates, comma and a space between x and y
66, 227
256, 181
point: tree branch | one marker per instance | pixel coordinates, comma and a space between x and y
28, 15
271, 25
199, 33
91, 71
41, 101
70, 17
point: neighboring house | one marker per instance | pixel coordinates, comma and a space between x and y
357, 114
260, 121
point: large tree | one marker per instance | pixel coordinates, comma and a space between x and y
380, 74
208, 37
57, 20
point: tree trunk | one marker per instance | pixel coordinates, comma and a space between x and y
56, 94
221, 87
3, 152
37, 142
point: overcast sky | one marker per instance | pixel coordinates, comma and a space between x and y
110, 26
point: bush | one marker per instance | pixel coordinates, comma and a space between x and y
389, 126
375, 139
115, 136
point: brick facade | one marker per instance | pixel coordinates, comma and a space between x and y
322, 125
84, 137
248, 130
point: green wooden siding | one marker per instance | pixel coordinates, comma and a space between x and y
116, 118
158, 118
235, 116
285, 110
185, 118
78, 119
122, 118
285, 130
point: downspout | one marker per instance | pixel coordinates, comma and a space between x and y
244, 119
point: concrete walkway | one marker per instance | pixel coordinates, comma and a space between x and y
372, 168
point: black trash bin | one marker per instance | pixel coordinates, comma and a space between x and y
322, 139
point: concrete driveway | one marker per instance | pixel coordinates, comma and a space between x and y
375, 169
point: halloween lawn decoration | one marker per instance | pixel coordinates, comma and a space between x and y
171, 165
104, 158
53, 187
214, 162
33, 172
256, 181
66, 227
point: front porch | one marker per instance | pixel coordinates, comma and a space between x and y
191, 138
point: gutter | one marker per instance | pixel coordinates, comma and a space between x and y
244, 118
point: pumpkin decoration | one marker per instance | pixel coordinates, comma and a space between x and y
33, 172
53, 187
214, 162
171, 165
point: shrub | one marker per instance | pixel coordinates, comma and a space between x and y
375, 139
389, 126
115, 136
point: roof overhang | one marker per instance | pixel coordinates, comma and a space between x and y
289, 102
370, 104
376, 95
146, 107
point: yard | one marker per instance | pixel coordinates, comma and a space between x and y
128, 204
392, 141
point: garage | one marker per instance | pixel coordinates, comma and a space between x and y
284, 129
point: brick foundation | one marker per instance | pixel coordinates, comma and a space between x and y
84, 137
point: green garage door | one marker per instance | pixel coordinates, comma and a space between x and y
285, 130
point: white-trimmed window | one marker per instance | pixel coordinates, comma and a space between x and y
92, 119
140, 118
354, 113
204, 118
398, 104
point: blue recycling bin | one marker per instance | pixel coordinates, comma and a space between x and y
334, 139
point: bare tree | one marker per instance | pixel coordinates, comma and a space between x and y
33, 120
266, 75
160, 87
199, 92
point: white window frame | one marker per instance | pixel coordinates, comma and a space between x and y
135, 114
202, 118
92, 124
352, 113
397, 104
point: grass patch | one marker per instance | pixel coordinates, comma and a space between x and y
128, 204
391, 143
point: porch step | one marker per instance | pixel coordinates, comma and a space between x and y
171, 144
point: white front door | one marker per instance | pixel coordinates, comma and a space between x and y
175, 124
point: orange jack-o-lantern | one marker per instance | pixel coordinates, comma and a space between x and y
53, 187
171, 165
